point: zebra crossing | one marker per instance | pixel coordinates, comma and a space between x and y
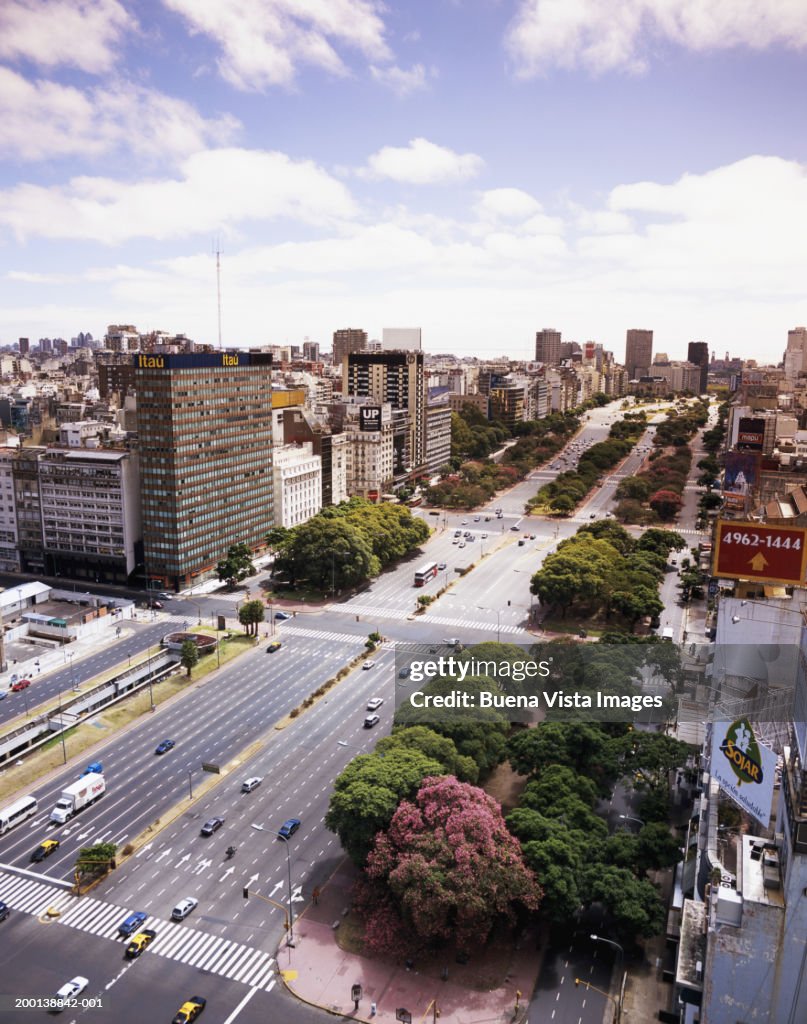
439, 620
325, 634
191, 946
373, 611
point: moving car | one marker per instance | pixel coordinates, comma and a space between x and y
371, 720
183, 908
211, 825
131, 923
3, 911
404, 673
452, 641
94, 768
71, 989
165, 597
289, 827
190, 1010
282, 616
21, 684
275, 645
45, 849
157, 604
249, 784
477, 518
374, 703
165, 746
484, 536
140, 942
441, 566
368, 665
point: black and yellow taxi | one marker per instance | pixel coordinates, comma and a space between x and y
45, 849
189, 1010
140, 942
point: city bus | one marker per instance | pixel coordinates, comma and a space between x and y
17, 812
425, 573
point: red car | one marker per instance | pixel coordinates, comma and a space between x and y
21, 684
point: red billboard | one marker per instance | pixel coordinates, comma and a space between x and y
751, 551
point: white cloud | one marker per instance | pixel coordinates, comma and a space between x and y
63, 32
218, 188
402, 82
43, 119
507, 204
422, 163
601, 35
264, 41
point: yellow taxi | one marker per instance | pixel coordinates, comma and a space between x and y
140, 942
189, 1010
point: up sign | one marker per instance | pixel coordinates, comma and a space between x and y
370, 418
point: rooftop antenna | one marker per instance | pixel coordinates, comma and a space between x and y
217, 251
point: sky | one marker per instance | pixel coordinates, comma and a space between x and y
477, 168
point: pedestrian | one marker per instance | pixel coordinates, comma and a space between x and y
315, 895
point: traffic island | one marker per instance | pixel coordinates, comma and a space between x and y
493, 985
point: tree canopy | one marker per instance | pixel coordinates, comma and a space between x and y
450, 869
237, 566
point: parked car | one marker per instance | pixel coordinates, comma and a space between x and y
131, 923
165, 746
288, 828
210, 826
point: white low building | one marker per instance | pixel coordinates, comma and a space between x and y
298, 484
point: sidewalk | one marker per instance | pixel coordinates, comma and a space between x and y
318, 972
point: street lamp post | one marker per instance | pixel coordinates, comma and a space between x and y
616, 945
629, 817
70, 655
61, 730
288, 866
498, 620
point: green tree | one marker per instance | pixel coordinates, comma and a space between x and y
432, 745
277, 538
250, 615
634, 904
189, 655
96, 859
556, 854
237, 566
367, 792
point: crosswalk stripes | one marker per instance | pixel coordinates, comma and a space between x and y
438, 620
373, 610
345, 638
212, 953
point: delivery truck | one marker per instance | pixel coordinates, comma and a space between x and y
77, 796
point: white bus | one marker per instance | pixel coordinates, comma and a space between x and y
17, 812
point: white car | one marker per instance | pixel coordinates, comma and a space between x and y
249, 784
71, 989
452, 641
374, 703
484, 536
368, 665
183, 908
371, 720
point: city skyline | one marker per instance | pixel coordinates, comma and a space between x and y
480, 170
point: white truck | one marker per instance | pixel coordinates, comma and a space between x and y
667, 633
77, 796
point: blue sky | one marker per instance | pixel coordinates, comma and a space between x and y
478, 168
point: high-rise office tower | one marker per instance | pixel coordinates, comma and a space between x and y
547, 346
311, 351
698, 353
638, 352
397, 378
204, 424
25, 346
347, 340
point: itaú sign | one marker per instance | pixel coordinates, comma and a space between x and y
752, 551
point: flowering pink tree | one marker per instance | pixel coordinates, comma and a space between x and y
446, 867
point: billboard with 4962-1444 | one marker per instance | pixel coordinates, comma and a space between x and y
752, 551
